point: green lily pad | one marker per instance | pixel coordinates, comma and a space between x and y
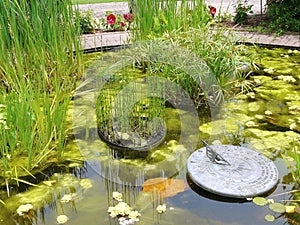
261, 201
269, 218
277, 207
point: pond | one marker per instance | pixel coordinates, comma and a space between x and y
266, 120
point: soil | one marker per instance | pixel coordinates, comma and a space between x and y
254, 22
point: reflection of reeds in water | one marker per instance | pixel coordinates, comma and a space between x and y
128, 111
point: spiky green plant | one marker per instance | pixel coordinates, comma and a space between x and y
39, 64
294, 168
166, 16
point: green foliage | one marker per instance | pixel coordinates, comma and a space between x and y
110, 22
261, 201
119, 22
212, 52
277, 207
288, 209
242, 10
88, 23
39, 65
167, 16
94, 1
270, 218
285, 15
295, 165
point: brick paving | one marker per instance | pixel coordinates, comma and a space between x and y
112, 39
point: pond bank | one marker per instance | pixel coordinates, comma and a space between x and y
104, 40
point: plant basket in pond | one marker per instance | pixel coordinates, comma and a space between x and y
132, 140
129, 113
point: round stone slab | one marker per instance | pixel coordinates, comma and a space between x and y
249, 173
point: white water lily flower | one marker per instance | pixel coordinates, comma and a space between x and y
117, 196
121, 209
61, 219
24, 209
66, 198
161, 208
293, 126
268, 112
85, 183
287, 78
112, 211
134, 214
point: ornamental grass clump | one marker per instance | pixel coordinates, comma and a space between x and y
205, 62
39, 65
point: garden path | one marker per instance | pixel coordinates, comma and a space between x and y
96, 41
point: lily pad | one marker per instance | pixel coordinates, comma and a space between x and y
261, 201
269, 218
277, 207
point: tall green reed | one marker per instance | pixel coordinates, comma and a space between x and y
295, 165
39, 65
155, 17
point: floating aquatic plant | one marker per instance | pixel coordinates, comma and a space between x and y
161, 208
276, 207
117, 196
62, 219
126, 215
24, 209
68, 198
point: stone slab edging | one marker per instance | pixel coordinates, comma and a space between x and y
104, 40
94, 42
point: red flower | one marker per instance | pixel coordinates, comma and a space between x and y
212, 10
111, 19
122, 24
128, 17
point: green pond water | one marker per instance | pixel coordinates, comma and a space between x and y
266, 120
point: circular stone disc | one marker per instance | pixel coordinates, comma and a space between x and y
249, 173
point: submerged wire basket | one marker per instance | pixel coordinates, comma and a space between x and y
129, 114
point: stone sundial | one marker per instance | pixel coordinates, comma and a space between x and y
247, 174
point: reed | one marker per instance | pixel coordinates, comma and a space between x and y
295, 166
155, 17
39, 65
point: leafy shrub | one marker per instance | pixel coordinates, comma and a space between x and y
88, 23
285, 15
242, 10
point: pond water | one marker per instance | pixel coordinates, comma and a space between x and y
266, 120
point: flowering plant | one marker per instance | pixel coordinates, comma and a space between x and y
212, 10
114, 22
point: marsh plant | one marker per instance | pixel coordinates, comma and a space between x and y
216, 53
167, 16
39, 64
